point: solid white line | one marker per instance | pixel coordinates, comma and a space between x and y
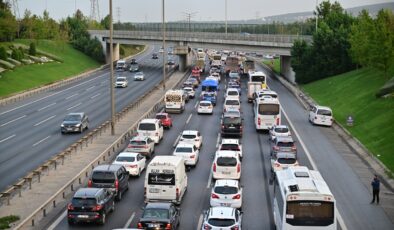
39, 123
127, 225
200, 222
75, 106
71, 96
46, 106
218, 140
195, 106
95, 96
7, 138
12, 120
176, 141
209, 178
57, 221
188, 119
90, 88
38, 142
339, 217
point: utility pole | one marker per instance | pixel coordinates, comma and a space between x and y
111, 63
118, 14
164, 45
188, 17
94, 10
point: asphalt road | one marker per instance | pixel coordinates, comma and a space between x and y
30, 129
351, 195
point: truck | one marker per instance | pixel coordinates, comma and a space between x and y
253, 87
165, 179
200, 63
232, 64
175, 101
248, 66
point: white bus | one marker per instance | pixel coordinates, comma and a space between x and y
303, 200
258, 77
267, 113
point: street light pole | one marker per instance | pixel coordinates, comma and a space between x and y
225, 15
111, 81
164, 46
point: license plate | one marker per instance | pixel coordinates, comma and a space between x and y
225, 204
83, 216
153, 225
69, 129
226, 173
154, 190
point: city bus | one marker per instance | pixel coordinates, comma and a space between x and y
303, 200
267, 112
258, 77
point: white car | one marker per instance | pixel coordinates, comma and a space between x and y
232, 93
190, 92
232, 103
139, 76
226, 193
231, 144
121, 82
321, 115
192, 137
205, 107
226, 165
188, 152
222, 218
283, 160
216, 75
141, 144
134, 163
279, 131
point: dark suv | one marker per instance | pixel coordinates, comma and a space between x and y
114, 177
74, 122
231, 124
160, 216
90, 205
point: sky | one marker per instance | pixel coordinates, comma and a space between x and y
176, 10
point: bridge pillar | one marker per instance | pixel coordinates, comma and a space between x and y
182, 51
115, 50
285, 68
182, 62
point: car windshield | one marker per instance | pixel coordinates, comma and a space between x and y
226, 189
288, 161
184, 150
161, 116
231, 120
103, 177
125, 159
139, 73
147, 126
232, 93
226, 161
231, 102
219, 222
120, 79
281, 130
135, 142
324, 112
155, 213
72, 118
234, 147
205, 104
285, 144
77, 201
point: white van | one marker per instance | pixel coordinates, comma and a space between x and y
320, 115
175, 101
165, 179
151, 128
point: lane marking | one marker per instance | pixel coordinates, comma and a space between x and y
217, 140
75, 106
47, 106
71, 96
12, 120
38, 142
339, 217
210, 178
176, 141
188, 119
200, 222
127, 225
57, 221
7, 138
39, 123
95, 95
195, 106
90, 88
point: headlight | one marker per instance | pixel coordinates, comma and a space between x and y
61, 125
77, 125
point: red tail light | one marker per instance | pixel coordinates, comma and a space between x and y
133, 166
235, 228
222, 126
277, 121
294, 148
157, 134
258, 121
129, 146
276, 148
70, 207
238, 168
237, 197
90, 183
168, 227
214, 196
97, 208
139, 226
277, 165
177, 193
116, 185
206, 227
192, 156
214, 167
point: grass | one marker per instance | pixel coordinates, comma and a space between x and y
131, 49
274, 64
353, 93
35, 75
5, 221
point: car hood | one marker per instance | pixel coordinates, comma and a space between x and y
71, 122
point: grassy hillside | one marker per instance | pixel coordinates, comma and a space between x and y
34, 75
275, 66
353, 93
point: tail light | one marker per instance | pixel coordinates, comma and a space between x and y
139, 225
258, 121
70, 207
235, 228
192, 156
240, 127
207, 227
214, 196
144, 191
275, 148
116, 185
129, 146
296, 164
177, 193
168, 227
315, 117
238, 168
156, 134
133, 166
237, 197
90, 183
277, 121
277, 165
294, 148
97, 207
214, 167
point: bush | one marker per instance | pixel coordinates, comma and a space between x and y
17, 54
32, 49
3, 53
121, 51
5, 221
388, 88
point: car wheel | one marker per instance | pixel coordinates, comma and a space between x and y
70, 222
81, 129
139, 173
113, 207
102, 221
119, 196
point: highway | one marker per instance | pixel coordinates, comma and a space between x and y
315, 149
30, 129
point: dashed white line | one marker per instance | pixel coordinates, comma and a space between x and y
95, 96
195, 106
38, 142
200, 222
209, 178
127, 225
75, 106
176, 141
188, 119
7, 138
12, 120
57, 221
90, 88
217, 140
71, 96
39, 123
46, 106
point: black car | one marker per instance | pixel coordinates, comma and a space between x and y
90, 205
160, 216
114, 177
74, 122
231, 124
155, 56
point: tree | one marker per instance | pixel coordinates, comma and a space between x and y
360, 37
32, 49
3, 53
105, 22
8, 23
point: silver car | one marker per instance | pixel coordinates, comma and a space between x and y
74, 122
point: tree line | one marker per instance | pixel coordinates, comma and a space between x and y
342, 43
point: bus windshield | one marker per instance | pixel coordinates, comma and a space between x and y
310, 213
269, 109
257, 78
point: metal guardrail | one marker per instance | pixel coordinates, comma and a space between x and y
79, 179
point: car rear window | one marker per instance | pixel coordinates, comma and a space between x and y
103, 177
160, 116
226, 190
285, 144
205, 104
147, 126
125, 159
184, 150
324, 112
221, 222
137, 143
286, 160
234, 147
72, 118
156, 213
232, 102
189, 136
226, 161
77, 201
281, 130
231, 120
232, 93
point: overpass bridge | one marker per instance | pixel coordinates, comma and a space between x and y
181, 41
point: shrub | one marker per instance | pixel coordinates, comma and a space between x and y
17, 54
5, 221
121, 51
3, 53
32, 49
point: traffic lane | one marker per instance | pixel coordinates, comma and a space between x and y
351, 195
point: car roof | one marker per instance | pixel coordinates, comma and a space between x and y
152, 121
230, 141
222, 212
284, 139
206, 102
107, 167
226, 153
127, 154
188, 88
323, 107
233, 183
120, 77
184, 144
188, 132
139, 138
79, 113
281, 126
231, 114
232, 89
159, 205
87, 192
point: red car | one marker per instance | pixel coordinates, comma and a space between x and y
165, 119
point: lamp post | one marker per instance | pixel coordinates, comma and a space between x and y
164, 46
111, 51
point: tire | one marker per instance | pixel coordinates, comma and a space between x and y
70, 222
103, 219
113, 207
81, 129
119, 196
139, 173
